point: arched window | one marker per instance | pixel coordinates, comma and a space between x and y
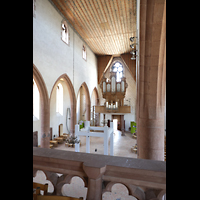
59, 99
117, 67
84, 52
36, 101
65, 33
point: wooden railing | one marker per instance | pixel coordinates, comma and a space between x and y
144, 179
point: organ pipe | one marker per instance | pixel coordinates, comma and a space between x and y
104, 87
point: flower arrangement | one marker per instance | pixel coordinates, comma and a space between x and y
72, 140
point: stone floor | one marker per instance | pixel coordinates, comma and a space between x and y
122, 147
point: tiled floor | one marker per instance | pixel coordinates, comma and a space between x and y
122, 147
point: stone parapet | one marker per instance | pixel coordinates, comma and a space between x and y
101, 172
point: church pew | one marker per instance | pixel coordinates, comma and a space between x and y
54, 143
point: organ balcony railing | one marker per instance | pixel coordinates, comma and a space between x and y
144, 179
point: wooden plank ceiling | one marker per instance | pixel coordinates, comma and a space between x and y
105, 25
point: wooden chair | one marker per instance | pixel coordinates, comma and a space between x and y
66, 134
53, 197
64, 137
134, 149
59, 139
36, 192
134, 135
54, 143
43, 187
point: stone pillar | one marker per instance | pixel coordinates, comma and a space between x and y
73, 116
122, 125
151, 81
45, 125
94, 181
104, 118
111, 139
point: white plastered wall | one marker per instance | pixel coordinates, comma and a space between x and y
53, 57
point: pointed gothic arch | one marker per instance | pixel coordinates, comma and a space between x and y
44, 107
94, 102
87, 100
95, 91
88, 103
72, 96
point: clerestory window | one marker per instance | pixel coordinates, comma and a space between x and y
84, 52
117, 67
65, 33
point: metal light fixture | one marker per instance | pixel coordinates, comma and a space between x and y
132, 52
132, 39
133, 57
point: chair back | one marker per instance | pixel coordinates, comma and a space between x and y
43, 187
